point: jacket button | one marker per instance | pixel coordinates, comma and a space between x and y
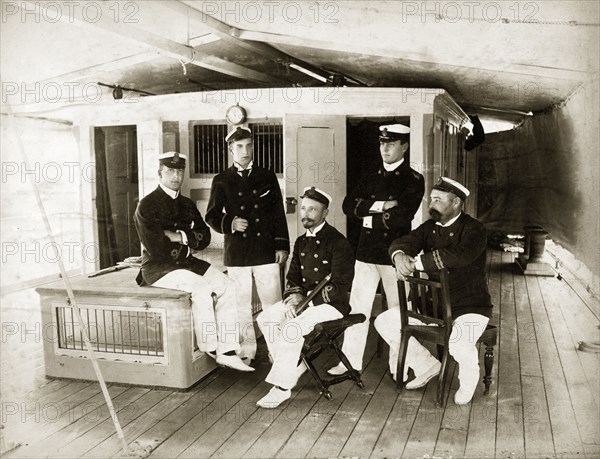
368, 232
372, 196
258, 234
317, 241
244, 235
242, 207
257, 220
301, 266
384, 234
302, 254
397, 173
316, 255
240, 194
316, 269
304, 279
256, 206
254, 191
390, 198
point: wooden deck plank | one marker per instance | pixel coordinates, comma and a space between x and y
112, 445
452, 437
536, 417
167, 423
318, 418
92, 413
565, 434
371, 422
586, 411
481, 435
287, 419
106, 429
204, 414
343, 422
424, 433
35, 420
509, 420
253, 428
220, 421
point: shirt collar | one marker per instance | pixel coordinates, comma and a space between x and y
169, 191
314, 232
391, 167
449, 222
240, 168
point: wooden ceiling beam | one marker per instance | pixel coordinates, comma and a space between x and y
232, 35
161, 45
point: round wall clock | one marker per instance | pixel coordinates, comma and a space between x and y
236, 114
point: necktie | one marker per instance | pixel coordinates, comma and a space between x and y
245, 172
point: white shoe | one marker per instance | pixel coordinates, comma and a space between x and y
274, 398
212, 354
339, 369
424, 378
233, 361
464, 395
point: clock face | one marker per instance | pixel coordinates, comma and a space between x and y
236, 114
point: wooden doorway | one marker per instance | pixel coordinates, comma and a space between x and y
116, 192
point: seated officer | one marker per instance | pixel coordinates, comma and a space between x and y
170, 226
322, 250
454, 241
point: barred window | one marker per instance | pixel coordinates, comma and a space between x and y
211, 156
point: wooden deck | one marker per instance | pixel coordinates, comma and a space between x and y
544, 400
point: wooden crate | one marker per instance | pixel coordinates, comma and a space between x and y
140, 335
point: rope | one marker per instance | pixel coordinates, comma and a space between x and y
71, 295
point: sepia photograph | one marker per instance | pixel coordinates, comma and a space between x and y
300, 229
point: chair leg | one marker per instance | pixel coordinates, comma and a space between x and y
488, 362
354, 375
404, 337
442, 379
323, 386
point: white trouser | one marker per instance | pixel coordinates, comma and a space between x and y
268, 285
286, 338
216, 327
364, 287
466, 330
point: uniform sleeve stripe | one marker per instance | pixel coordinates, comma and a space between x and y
438, 260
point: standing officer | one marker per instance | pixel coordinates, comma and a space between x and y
247, 207
322, 250
170, 227
384, 202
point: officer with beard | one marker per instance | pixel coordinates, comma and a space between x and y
450, 240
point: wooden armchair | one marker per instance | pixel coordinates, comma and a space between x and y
431, 305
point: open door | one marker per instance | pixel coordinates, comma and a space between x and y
315, 155
116, 193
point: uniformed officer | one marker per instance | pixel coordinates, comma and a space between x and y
384, 202
454, 241
247, 207
170, 226
322, 250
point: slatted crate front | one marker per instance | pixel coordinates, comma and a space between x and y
140, 335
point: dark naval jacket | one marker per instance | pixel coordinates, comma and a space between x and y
158, 212
461, 249
328, 252
404, 185
257, 198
